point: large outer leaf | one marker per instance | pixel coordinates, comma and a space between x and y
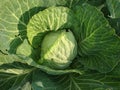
42, 81
96, 2
24, 49
51, 71
15, 15
98, 44
115, 23
5, 59
89, 81
50, 19
15, 76
114, 8
116, 70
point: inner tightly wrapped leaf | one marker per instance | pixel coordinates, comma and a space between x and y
58, 49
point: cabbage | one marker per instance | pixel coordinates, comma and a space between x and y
58, 49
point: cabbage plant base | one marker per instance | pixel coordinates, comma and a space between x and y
87, 41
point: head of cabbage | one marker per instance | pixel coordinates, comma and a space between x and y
58, 49
48, 31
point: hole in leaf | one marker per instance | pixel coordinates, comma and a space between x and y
67, 30
16, 35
